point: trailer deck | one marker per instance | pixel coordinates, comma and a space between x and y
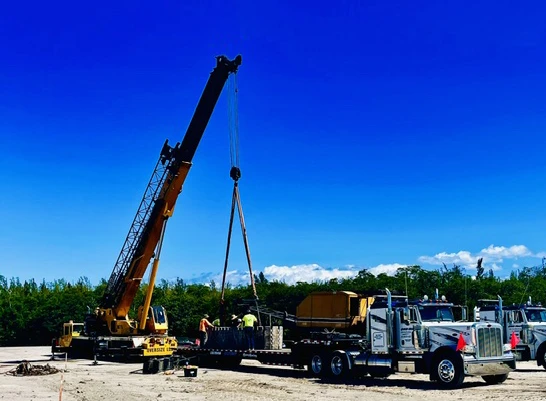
282, 357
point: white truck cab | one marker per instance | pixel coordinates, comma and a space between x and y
524, 326
423, 336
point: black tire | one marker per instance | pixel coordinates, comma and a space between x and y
448, 370
337, 367
541, 357
316, 365
495, 379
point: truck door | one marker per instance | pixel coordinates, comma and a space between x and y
378, 330
514, 324
405, 331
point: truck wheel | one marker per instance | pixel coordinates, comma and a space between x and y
541, 358
337, 366
316, 365
495, 379
449, 371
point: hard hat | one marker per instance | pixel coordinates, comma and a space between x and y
206, 316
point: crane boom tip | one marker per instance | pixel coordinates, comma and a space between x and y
230, 65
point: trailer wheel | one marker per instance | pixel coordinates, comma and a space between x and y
337, 366
449, 370
316, 365
495, 379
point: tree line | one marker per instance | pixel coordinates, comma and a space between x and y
32, 313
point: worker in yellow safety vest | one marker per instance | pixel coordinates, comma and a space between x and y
204, 324
249, 320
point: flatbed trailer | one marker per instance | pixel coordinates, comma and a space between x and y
307, 353
267, 357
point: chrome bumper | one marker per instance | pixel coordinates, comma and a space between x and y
489, 367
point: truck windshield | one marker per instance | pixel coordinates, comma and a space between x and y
436, 313
536, 315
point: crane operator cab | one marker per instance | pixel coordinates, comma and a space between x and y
156, 320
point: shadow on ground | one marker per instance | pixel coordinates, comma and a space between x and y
392, 381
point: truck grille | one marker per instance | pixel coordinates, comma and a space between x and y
489, 342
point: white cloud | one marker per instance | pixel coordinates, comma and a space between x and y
492, 255
495, 267
233, 277
292, 274
389, 269
307, 273
499, 252
461, 257
313, 272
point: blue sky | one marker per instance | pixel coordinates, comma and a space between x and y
373, 134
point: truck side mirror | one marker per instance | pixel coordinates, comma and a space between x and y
464, 313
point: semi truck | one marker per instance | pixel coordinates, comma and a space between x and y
380, 335
523, 325
108, 330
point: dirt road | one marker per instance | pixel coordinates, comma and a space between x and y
117, 382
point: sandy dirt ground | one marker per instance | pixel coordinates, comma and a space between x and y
84, 381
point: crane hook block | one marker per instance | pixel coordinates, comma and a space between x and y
235, 173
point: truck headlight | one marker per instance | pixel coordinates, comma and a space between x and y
469, 349
507, 347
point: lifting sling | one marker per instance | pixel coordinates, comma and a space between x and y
235, 174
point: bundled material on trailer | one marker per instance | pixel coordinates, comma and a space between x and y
397, 336
269, 338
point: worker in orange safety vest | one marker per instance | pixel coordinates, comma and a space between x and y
204, 324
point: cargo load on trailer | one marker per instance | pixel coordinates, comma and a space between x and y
339, 310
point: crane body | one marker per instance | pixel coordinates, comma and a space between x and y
110, 324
